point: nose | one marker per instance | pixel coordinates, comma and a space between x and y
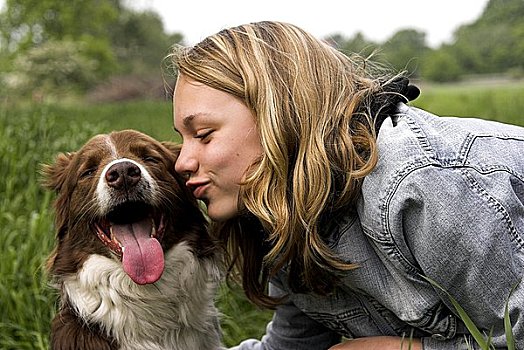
123, 175
186, 163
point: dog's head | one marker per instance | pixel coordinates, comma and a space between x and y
119, 196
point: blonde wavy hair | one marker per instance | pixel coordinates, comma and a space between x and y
311, 106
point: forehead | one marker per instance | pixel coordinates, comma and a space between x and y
118, 143
192, 98
195, 104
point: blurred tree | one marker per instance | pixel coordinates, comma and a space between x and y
356, 44
26, 23
440, 66
139, 41
57, 67
405, 49
494, 43
29, 24
106, 36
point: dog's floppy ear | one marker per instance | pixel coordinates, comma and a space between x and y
174, 148
54, 175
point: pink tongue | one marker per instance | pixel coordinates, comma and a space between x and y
143, 257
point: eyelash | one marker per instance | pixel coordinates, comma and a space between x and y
203, 135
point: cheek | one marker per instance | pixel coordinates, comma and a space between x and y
232, 157
80, 198
227, 162
221, 158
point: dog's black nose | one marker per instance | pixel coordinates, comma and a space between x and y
123, 175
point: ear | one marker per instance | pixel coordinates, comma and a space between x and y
174, 148
54, 174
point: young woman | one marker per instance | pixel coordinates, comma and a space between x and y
337, 201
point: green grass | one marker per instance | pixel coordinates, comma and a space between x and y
31, 135
26, 231
504, 103
151, 117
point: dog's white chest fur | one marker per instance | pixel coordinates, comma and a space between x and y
177, 312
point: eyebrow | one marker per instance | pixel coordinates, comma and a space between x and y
188, 120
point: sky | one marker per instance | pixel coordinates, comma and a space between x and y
377, 20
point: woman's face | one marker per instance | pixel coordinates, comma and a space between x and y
220, 142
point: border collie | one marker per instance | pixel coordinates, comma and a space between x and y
134, 262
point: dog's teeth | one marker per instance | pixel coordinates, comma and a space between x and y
153, 231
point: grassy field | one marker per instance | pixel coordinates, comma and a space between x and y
32, 135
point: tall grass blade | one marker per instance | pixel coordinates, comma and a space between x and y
490, 337
510, 340
475, 332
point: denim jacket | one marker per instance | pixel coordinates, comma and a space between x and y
446, 202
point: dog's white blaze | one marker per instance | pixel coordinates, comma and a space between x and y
111, 145
103, 191
174, 313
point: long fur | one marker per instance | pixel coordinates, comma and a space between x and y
170, 314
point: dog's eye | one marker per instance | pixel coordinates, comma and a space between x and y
150, 159
88, 173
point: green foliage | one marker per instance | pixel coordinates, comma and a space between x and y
485, 342
357, 44
494, 43
85, 42
55, 67
406, 49
151, 117
441, 66
30, 136
29, 22
498, 11
122, 41
240, 319
56, 46
139, 41
502, 103
479, 337
488, 49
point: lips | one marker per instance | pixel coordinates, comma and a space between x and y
198, 188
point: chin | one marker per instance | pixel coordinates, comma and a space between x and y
221, 212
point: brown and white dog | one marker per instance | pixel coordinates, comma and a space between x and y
134, 261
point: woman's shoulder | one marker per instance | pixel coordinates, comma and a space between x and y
414, 138
416, 132
421, 152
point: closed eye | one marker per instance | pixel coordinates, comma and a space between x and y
204, 135
150, 159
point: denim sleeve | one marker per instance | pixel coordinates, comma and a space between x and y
464, 229
291, 329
